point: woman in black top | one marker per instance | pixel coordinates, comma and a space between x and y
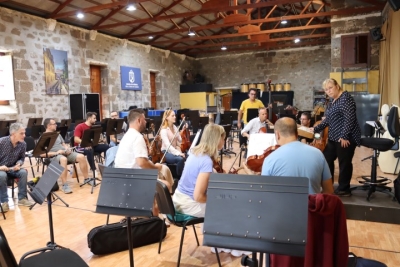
343, 136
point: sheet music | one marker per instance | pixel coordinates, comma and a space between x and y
259, 142
196, 139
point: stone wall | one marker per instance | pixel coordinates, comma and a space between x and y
346, 25
26, 36
304, 68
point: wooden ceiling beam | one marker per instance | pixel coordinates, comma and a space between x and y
199, 12
59, 8
349, 11
228, 44
153, 18
94, 8
109, 15
270, 46
233, 35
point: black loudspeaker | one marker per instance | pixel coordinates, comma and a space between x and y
376, 34
395, 4
80, 104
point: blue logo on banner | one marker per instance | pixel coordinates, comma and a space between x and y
131, 78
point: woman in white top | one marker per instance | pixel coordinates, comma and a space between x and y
168, 131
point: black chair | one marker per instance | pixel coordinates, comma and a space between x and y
39, 258
397, 156
373, 184
166, 206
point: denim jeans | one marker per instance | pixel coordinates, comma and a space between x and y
22, 175
178, 160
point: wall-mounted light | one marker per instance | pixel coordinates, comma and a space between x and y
224, 48
191, 33
80, 15
297, 40
131, 7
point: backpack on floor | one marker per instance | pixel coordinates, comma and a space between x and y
355, 261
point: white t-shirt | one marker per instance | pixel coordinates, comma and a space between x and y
132, 146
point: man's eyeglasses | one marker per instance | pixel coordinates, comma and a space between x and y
252, 94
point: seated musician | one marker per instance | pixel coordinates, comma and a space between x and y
171, 141
191, 195
12, 157
294, 158
63, 155
114, 139
257, 123
133, 153
78, 135
305, 121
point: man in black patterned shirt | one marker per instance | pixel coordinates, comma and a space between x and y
12, 157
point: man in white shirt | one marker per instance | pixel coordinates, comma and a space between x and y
256, 124
132, 151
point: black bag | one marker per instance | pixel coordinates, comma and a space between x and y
111, 238
396, 185
355, 261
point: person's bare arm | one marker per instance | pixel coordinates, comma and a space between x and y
200, 188
327, 186
77, 140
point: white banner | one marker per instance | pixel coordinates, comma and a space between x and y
6, 78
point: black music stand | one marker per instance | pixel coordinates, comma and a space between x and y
114, 127
43, 146
226, 151
127, 192
257, 213
62, 130
65, 122
37, 131
33, 122
43, 190
251, 114
91, 138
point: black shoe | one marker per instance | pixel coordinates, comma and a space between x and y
346, 193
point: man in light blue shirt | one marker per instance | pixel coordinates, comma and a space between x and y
294, 158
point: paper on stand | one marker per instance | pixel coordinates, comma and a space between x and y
259, 142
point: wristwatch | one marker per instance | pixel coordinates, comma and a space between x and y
317, 136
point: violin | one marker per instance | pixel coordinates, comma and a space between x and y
185, 135
321, 143
263, 130
154, 149
255, 162
217, 167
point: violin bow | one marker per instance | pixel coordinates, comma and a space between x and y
170, 143
159, 129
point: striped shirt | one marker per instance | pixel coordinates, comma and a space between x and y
10, 155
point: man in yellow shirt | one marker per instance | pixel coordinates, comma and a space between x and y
252, 102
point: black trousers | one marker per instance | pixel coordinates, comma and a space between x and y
333, 151
101, 148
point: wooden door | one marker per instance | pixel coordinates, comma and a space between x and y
153, 98
226, 101
95, 86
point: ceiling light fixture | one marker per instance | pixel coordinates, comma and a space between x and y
283, 21
297, 40
80, 15
190, 32
151, 37
131, 7
223, 48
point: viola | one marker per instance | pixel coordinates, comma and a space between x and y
255, 162
185, 135
217, 167
321, 143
